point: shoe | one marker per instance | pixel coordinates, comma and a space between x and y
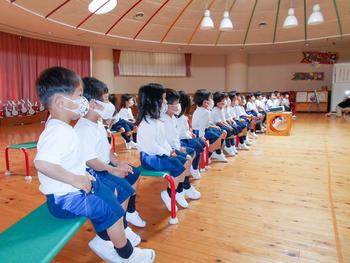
235, 149
134, 238
242, 146
229, 151
135, 219
167, 200
195, 173
248, 143
180, 199
219, 157
104, 249
253, 134
133, 144
192, 193
140, 255
128, 145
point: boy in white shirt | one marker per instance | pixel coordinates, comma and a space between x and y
101, 160
202, 123
285, 102
70, 191
219, 119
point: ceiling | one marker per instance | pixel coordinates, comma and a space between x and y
173, 25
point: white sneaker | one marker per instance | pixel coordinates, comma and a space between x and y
134, 238
253, 134
229, 151
235, 149
242, 146
248, 143
180, 199
167, 200
192, 193
128, 145
140, 256
104, 249
195, 173
133, 144
219, 157
135, 219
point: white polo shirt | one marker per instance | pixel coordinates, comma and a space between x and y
151, 137
218, 115
59, 144
201, 120
239, 110
183, 129
126, 114
260, 104
170, 129
94, 140
251, 106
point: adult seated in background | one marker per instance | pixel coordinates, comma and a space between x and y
342, 107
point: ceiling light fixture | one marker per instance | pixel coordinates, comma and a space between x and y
100, 7
226, 23
316, 16
207, 23
291, 20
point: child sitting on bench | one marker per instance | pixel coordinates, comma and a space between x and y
101, 159
186, 136
170, 125
70, 191
155, 152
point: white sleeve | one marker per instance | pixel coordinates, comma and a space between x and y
51, 146
123, 114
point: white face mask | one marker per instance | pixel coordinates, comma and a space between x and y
236, 102
225, 103
211, 104
83, 106
131, 103
108, 110
244, 102
178, 111
228, 102
164, 108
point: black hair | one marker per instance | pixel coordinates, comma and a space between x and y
171, 96
113, 99
125, 98
56, 80
150, 100
200, 96
232, 95
185, 102
249, 96
218, 97
257, 94
94, 89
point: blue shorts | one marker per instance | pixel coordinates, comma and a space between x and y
173, 164
121, 185
196, 143
102, 207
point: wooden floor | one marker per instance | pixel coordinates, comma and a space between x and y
286, 200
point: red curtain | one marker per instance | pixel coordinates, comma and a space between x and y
188, 58
22, 59
116, 59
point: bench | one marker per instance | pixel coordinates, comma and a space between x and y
38, 237
151, 173
23, 147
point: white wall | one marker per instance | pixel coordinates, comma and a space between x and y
237, 71
269, 72
208, 72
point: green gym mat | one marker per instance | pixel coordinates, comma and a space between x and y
37, 237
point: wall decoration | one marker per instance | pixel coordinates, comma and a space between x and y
308, 76
313, 57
